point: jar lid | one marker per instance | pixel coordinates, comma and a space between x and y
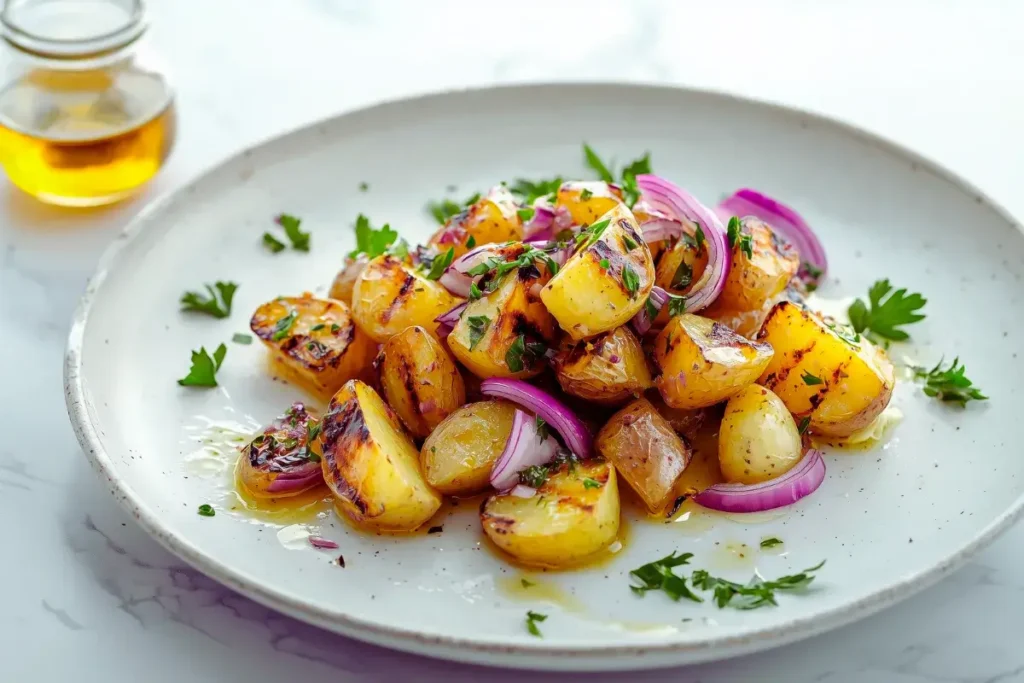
72, 29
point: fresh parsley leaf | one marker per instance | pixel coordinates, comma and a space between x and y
756, 593
206, 510
446, 208
299, 239
542, 428
949, 384
216, 303
651, 309
699, 238
683, 276
471, 242
630, 191
526, 583
532, 619
594, 162
804, 424
733, 231
313, 430
272, 243
846, 334
604, 264
372, 241
885, 317
478, 325
440, 263
630, 279
525, 214
530, 190
284, 325
534, 476
204, 368
589, 483
658, 575
515, 353
239, 338
474, 292
811, 380
364, 186
628, 243
591, 234
676, 305
771, 542
311, 456
736, 235
585, 194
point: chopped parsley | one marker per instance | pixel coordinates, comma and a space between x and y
628, 242
446, 208
586, 194
272, 243
594, 162
804, 424
364, 186
534, 476
240, 338
604, 264
683, 276
949, 384
631, 193
542, 428
811, 380
204, 368
630, 279
651, 309
526, 583
440, 263
530, 190
676, 305
313, 430
846, 334
699, 237
771, 542
885, 317
474, 292
299, 239
736, 234
471, 242
206, 510
317, 327
522, 354
478, 325
216, 303
284, 325
591, 234
372, 241
532, 619
589, 483
525, 214
756, 593
658, 575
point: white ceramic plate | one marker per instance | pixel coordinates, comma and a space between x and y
888, 521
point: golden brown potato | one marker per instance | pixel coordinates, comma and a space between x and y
588, 200
686, 423
679, 268
646, 452
573, 516
610, 368
758, 440
419, 380
459, 455
314, 342
754, 279
345, 280
390, 295
492, 218
280, 461
838, 380
606, 282
703, 362
503, 327
371, 464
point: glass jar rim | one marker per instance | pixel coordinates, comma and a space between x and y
109, 34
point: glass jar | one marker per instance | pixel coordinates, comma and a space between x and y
86, 117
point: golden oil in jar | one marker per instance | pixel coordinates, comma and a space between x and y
85, 121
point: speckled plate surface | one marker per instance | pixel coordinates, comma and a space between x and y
889, 520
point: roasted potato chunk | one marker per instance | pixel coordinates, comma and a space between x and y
703, 362
419, 380
838, 380
371, 464
758, 440
755, 278
314, 342
610, 368
280, 461
459, 455
587, 201
390, 295
679, 268
607, 280
573, 516
498, 334
345, 281
686, 423
492, 218
646, 452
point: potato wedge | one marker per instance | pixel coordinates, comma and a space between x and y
703, 362
573, 516
280, 461
345, 281
679, 268
754, 279
390, 295
315, 342
505, 326
646, 451
610, 368
459, 455
492, 218
607, 280
839, 381
588, 200
419, 380
371, 464
758, 440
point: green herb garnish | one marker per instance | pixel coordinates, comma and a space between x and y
949, 384
514, 355
630, 279
591, 234
628, 243
272, 243
471, 242
240, 338
651, 309
604, 264
594, 162
532, 618
585, 194
283, 326
589, 483
216, 303
810, 379
446, 208
884, 317
299, 239
525, 214
478, 325
683, 276
534, 476
526, 583
736, 234
206, 510
756, 593
658, 575
372, 241
474, 292
364, 186
530, 190
676, 305
630, 191
542, 428
771, 542
699, 237
804, 424
204, 368
440, 263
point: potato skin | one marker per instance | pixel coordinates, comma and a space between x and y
686, 423
460, 453
512, 310
703, 362
564, 524
345, 281
601, 199
851, 382
684, 260
280, 447
610, 368
390, 295
492, 218
758, 440
419, 380
321, 349
646, 451
765, 273
371, 465
587, 299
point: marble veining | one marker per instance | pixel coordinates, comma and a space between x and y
90, 596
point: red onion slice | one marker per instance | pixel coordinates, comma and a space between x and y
575, 434
785, 221
800, 481
660, 229
456, 278
523, 449
642, 321
539, 227
291, 484
446, 321
322, 543
678, 204
523, 491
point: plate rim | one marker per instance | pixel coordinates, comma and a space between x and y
580, 657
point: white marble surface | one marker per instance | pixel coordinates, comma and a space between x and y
88, 596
